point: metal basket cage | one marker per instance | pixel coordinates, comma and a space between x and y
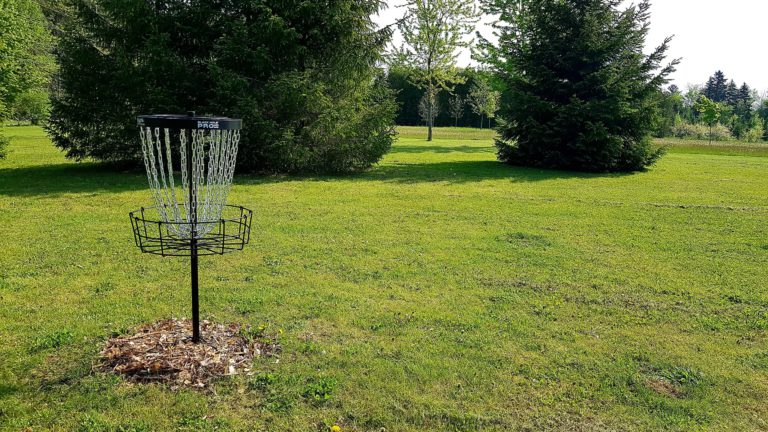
226, 235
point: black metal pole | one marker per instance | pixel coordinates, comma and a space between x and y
195, 302
193, 244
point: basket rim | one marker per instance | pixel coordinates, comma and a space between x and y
189, 121
246, 213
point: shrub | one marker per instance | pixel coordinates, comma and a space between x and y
4, 143
756, 131
701, 131
302, 75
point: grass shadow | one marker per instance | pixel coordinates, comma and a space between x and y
56, 179
7, 390
471, 171
455, 172
441, 149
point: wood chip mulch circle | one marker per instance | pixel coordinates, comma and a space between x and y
164, 352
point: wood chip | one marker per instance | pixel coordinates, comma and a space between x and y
164, 352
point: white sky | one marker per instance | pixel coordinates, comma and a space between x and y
709, 35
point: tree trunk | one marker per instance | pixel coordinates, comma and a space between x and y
710, 134
430, 120
481, 121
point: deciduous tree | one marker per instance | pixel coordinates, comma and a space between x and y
433, 31
26, 58
710, 111
456, 106
428, 108
483, 100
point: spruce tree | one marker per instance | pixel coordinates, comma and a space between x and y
731, 94
581, 94
303, 76
745, 94
716, 88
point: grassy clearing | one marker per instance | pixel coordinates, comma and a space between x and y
726, 148
439, 291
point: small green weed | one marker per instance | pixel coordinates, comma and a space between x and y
320, 390
262, 381
54, 340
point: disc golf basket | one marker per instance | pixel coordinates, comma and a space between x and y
190, 162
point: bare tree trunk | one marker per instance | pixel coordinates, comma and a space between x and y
431, 118
481, 121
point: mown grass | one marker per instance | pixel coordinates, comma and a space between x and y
439, 291
723, 148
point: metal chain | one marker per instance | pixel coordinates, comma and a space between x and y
209, 183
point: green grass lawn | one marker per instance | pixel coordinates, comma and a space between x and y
440, 291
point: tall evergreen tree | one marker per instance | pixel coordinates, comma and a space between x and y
731, 93
301, 74
743, 113
745, 94
581, 94
716, 88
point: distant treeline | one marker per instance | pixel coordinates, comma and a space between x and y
476, 82
719, 110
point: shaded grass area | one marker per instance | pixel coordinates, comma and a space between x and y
439, 291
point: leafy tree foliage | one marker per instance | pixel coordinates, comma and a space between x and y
581, 93
456, 105
429, 108
303, 75
32, 106
671, 104
762, 114
740, 112
710, 111
26, 59
408, 96
4, 142
483, 100
433, 30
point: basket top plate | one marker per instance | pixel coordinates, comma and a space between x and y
191, 121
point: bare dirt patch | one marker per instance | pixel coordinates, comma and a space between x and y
665, 388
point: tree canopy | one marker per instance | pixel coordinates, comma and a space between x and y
301, 74
26, 58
